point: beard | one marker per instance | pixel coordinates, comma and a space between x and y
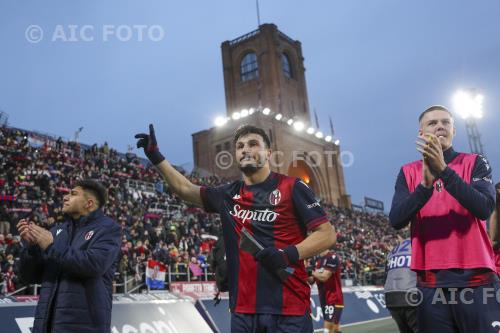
249, 169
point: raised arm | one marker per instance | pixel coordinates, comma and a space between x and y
178, 183
405, 204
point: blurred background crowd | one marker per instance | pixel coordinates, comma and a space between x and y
38, 170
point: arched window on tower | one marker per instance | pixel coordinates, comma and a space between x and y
286, 65
249, 67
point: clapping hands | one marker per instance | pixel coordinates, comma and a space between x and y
34, 234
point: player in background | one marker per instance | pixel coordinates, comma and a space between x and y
327, 276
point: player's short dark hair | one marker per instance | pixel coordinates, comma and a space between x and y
250, 129
95, 188
434, 108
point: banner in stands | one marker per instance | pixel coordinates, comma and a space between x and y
375, 204
357, 208
361, 304
194, 289
131, 314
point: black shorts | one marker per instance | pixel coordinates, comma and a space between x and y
332, 313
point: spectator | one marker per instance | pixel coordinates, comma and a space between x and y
10, 280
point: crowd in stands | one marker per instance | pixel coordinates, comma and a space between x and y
38, 170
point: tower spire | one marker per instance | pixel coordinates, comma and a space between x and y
258, 13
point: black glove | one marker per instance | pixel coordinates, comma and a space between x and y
148, 142
310, 270
275, 259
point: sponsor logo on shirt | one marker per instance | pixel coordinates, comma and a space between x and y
275, 197
58, 231
486, 164
315, 204
89, 235
331, 265
237, 197
261, 215
486, 179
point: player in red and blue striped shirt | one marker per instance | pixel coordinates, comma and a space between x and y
327, 276
279, 212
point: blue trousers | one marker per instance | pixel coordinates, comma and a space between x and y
460, 310
269, 323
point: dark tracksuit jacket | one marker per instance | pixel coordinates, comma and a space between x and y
76, 272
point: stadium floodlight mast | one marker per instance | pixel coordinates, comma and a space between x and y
4, 118
77, 133
469, 105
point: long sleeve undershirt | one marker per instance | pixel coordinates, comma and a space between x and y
478, 196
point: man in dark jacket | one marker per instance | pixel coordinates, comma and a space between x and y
75, 262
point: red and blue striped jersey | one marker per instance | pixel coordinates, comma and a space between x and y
278, 212
330, 291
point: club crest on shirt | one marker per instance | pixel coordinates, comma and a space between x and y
89, 235
275, 197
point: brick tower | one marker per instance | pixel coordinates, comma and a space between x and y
265, 86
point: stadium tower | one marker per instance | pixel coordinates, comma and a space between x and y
265, 86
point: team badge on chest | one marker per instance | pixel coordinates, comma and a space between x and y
275, 197
89, 235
